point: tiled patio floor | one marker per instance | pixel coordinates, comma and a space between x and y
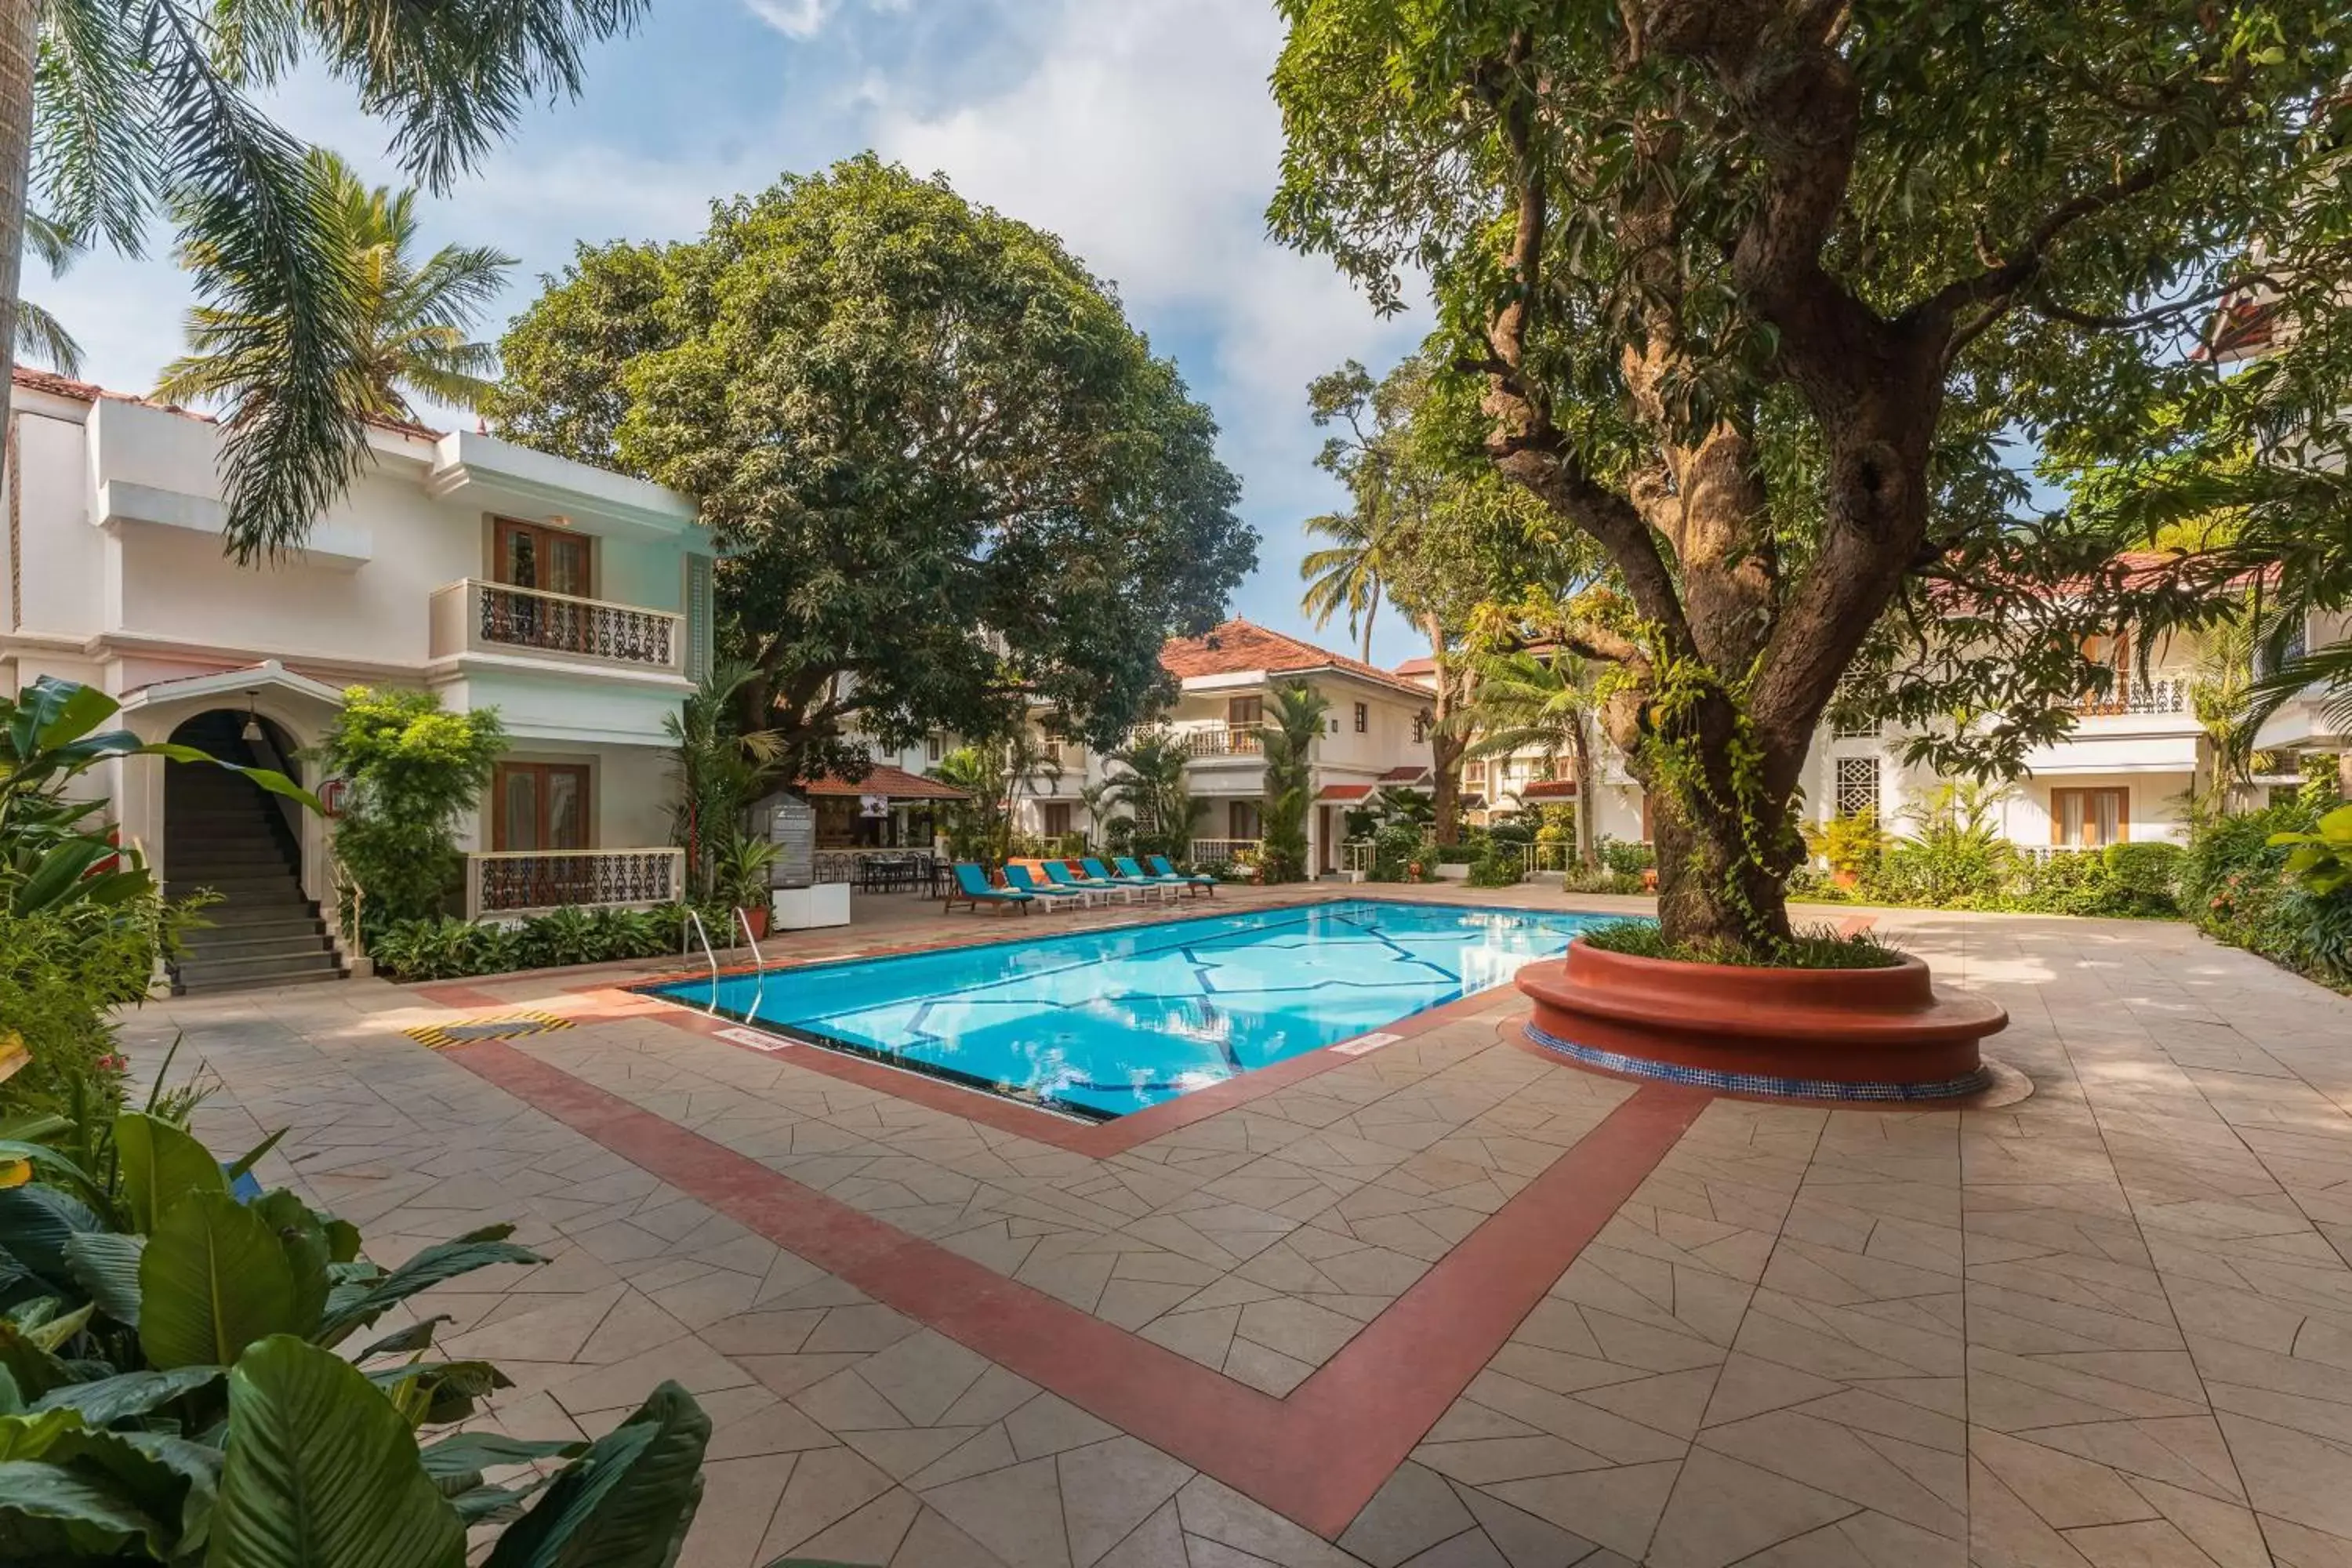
1447, 1304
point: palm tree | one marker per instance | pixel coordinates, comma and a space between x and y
1348, 575
143, 105
40, 336
412, 320
716, 770
1528, 702
1293, 720
1150, 787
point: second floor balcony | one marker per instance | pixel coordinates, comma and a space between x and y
2121, 699
1218, 740
478, 616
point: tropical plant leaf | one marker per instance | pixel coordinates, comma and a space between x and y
323, 1473
35, 1371
213, 1280
358, 1304
167, 1477
627, 1502
53, 1334
252, 1157
305, 1243
160, 1165
36, 1223
105, 1264
107, 1400
416, 1336
60, 1168
90, 1509
440, 1392
33, 1434
463, 1453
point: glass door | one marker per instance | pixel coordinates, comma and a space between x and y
542, 807
552, 562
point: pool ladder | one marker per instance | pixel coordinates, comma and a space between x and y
702, 933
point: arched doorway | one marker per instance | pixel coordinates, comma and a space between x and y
225, 836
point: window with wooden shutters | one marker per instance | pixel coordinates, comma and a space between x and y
2089, 819
1857, 785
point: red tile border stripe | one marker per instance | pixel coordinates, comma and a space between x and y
1316, 1456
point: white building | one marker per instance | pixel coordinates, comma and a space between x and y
574, 601
1375, 731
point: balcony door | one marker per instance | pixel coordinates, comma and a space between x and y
539, 805
546, 558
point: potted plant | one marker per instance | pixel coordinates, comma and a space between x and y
743, 865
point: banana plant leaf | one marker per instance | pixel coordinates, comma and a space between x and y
58, 1513
213, 1280
160, 1163
105, 1264
322, 1472
105, 1401
628, 1502
358, 1303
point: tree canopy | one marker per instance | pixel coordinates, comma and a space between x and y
1774, 300
948, 478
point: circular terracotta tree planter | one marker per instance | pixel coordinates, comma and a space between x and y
1813, 1033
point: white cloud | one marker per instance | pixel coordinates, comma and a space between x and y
1145, 136
793, 18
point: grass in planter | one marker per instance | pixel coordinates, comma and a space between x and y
1813, 947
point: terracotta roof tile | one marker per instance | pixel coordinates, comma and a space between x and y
90, 392
1412, 774
884, 779
1548, 789
1344, 791
1240, 646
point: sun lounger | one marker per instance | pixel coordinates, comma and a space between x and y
1058, 873
971, 888
1051, 895
1199, 881
1138, 883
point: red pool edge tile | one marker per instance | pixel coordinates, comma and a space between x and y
1315, 1457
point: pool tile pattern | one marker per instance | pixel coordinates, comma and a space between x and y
2112, 1324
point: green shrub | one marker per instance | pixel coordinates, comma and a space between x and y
449, 949
1577, 880
1395, 848
2234, 881
2143, 878
1498, 868
1516, 832
415, 771
1625, 857
1818, 947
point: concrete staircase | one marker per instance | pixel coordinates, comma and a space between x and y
226, 834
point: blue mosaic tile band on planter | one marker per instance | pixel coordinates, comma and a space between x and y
1760, 1083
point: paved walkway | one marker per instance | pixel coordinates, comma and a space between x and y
1447, 1303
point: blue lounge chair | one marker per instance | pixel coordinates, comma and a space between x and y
1058, 873
1019, 877
1199, 880
971, 888
1128, 868
1138, 882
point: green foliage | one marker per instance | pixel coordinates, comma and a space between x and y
1499, 866
1624, 858
742, 872
412, 319
1852, 844
1818, 948
415, 771
1148, 792
1293, 724
2321, 860
157, 109
450, 949
904, 416
1774, 306
2234, 879
1397, 848
83, 922
2322, 783
716, 769
174, 1391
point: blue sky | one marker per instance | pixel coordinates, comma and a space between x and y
1139, 130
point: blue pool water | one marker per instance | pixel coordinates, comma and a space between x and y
1102, 1023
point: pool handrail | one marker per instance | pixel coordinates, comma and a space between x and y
743, 920
694, 919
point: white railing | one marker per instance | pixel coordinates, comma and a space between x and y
1205, 850
2153, 697
473, 615
1221, 740
519, 881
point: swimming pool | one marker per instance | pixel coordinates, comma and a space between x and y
1103, 1023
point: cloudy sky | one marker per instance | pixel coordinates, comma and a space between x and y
1139, 130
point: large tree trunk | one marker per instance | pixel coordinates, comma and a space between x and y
19, 48
1588, 853
1445, 748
